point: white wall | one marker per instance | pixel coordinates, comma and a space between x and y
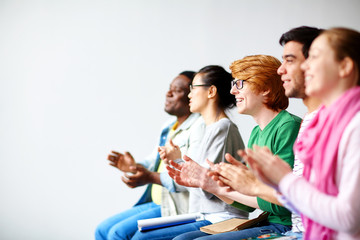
79, 78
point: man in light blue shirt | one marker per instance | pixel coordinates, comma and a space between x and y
186, 131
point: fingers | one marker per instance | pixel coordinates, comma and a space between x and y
175, 165
261, 153
259, 157
215, 177
226, 170
187, 159
116, 153
211, 164
250, 161
172, 144
127, 154
223, 182
128, 183
264, 149
113, 164
114, 156
162, 149
242, 153
162, 153
172, 172
128, 176
233, 161
176, 175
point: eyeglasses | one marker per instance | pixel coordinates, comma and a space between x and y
198, 85
239, 83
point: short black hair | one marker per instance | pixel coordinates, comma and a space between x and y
189, 74
304, 35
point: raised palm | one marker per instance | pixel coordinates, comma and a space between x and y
123, 162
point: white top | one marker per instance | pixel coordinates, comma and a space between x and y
340, 213
298, 169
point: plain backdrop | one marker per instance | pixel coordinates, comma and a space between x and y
80, 78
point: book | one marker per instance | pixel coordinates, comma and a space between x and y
233, 224
161, 222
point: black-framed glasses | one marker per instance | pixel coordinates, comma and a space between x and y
239, 83
198, 85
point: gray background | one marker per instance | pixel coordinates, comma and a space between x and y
80, 78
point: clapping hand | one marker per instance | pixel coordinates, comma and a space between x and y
123, 162
169, 152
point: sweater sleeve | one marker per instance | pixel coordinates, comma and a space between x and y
341, 212
224, 140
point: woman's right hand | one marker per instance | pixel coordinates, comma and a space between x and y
169, 152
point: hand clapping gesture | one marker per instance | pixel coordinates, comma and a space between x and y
139, 175
191, 174
236, 176
262, 162
169, 152
123, 162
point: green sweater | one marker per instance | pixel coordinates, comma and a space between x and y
279, 136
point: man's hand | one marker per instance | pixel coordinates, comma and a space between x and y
237, 176
266, 166
140, 177
123, 162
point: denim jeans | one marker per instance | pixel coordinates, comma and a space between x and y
298, 235
169, 233
246, 233
124, 225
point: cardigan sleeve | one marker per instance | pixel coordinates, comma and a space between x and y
341, 212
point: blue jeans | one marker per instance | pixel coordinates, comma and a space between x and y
124, 225
298, 235
246, 233
169, 233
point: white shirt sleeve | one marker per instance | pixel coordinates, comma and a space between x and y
341, 213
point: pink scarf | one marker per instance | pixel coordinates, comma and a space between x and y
318, 149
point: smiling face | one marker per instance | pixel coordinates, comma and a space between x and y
321, 70
198, 95
247, 101
177, 101
290, 70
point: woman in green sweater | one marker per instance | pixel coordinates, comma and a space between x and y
259, 93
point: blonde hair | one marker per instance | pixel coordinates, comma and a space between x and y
261, 70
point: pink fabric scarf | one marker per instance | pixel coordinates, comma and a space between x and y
318, 149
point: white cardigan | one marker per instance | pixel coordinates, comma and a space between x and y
340, 213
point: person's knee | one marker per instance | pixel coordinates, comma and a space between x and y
117, 234
184, 236
180, 237
101, 232
139, 236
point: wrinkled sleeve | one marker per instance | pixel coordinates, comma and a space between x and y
341, 213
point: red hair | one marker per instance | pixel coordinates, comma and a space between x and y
261, 70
